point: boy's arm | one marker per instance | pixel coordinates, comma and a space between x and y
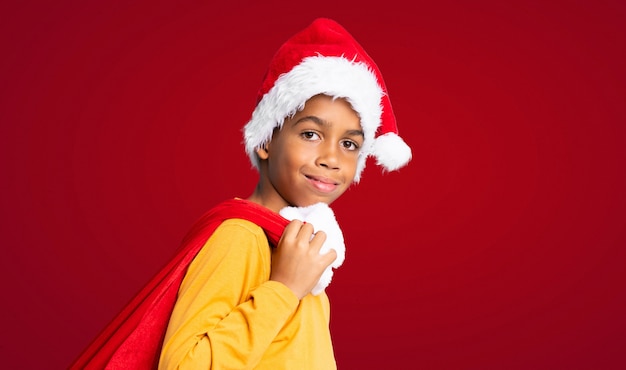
227, 311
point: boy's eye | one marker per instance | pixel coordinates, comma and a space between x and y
310, 135
350, 145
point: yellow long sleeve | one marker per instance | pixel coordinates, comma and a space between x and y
230, 316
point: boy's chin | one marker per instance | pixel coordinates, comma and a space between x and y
310, 202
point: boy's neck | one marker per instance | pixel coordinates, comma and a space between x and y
273, 204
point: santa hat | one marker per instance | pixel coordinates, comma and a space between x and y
325, 59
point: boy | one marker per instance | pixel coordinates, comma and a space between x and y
248, 298
309, 136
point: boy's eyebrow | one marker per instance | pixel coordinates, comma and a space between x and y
321, 122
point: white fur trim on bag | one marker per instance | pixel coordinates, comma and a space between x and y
322, 217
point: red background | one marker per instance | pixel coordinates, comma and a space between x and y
500, 246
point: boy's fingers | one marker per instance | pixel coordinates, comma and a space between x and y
330, 256
292, 229
318, 240
303, 232
306, 230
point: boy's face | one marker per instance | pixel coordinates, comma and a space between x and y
313, 158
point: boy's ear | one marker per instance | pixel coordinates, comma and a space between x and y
262, 151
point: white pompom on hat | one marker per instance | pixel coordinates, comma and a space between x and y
325, 59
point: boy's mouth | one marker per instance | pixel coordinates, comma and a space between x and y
323, 184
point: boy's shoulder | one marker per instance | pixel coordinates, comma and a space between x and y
239, 228
236, 216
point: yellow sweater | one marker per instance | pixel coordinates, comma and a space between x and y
229, 315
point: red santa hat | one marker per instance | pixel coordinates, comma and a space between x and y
325, 59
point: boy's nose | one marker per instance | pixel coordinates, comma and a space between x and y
328, 157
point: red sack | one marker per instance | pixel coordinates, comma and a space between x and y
134, 338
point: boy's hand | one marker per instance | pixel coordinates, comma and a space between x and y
296, 261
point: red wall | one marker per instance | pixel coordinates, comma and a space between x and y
504, 238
